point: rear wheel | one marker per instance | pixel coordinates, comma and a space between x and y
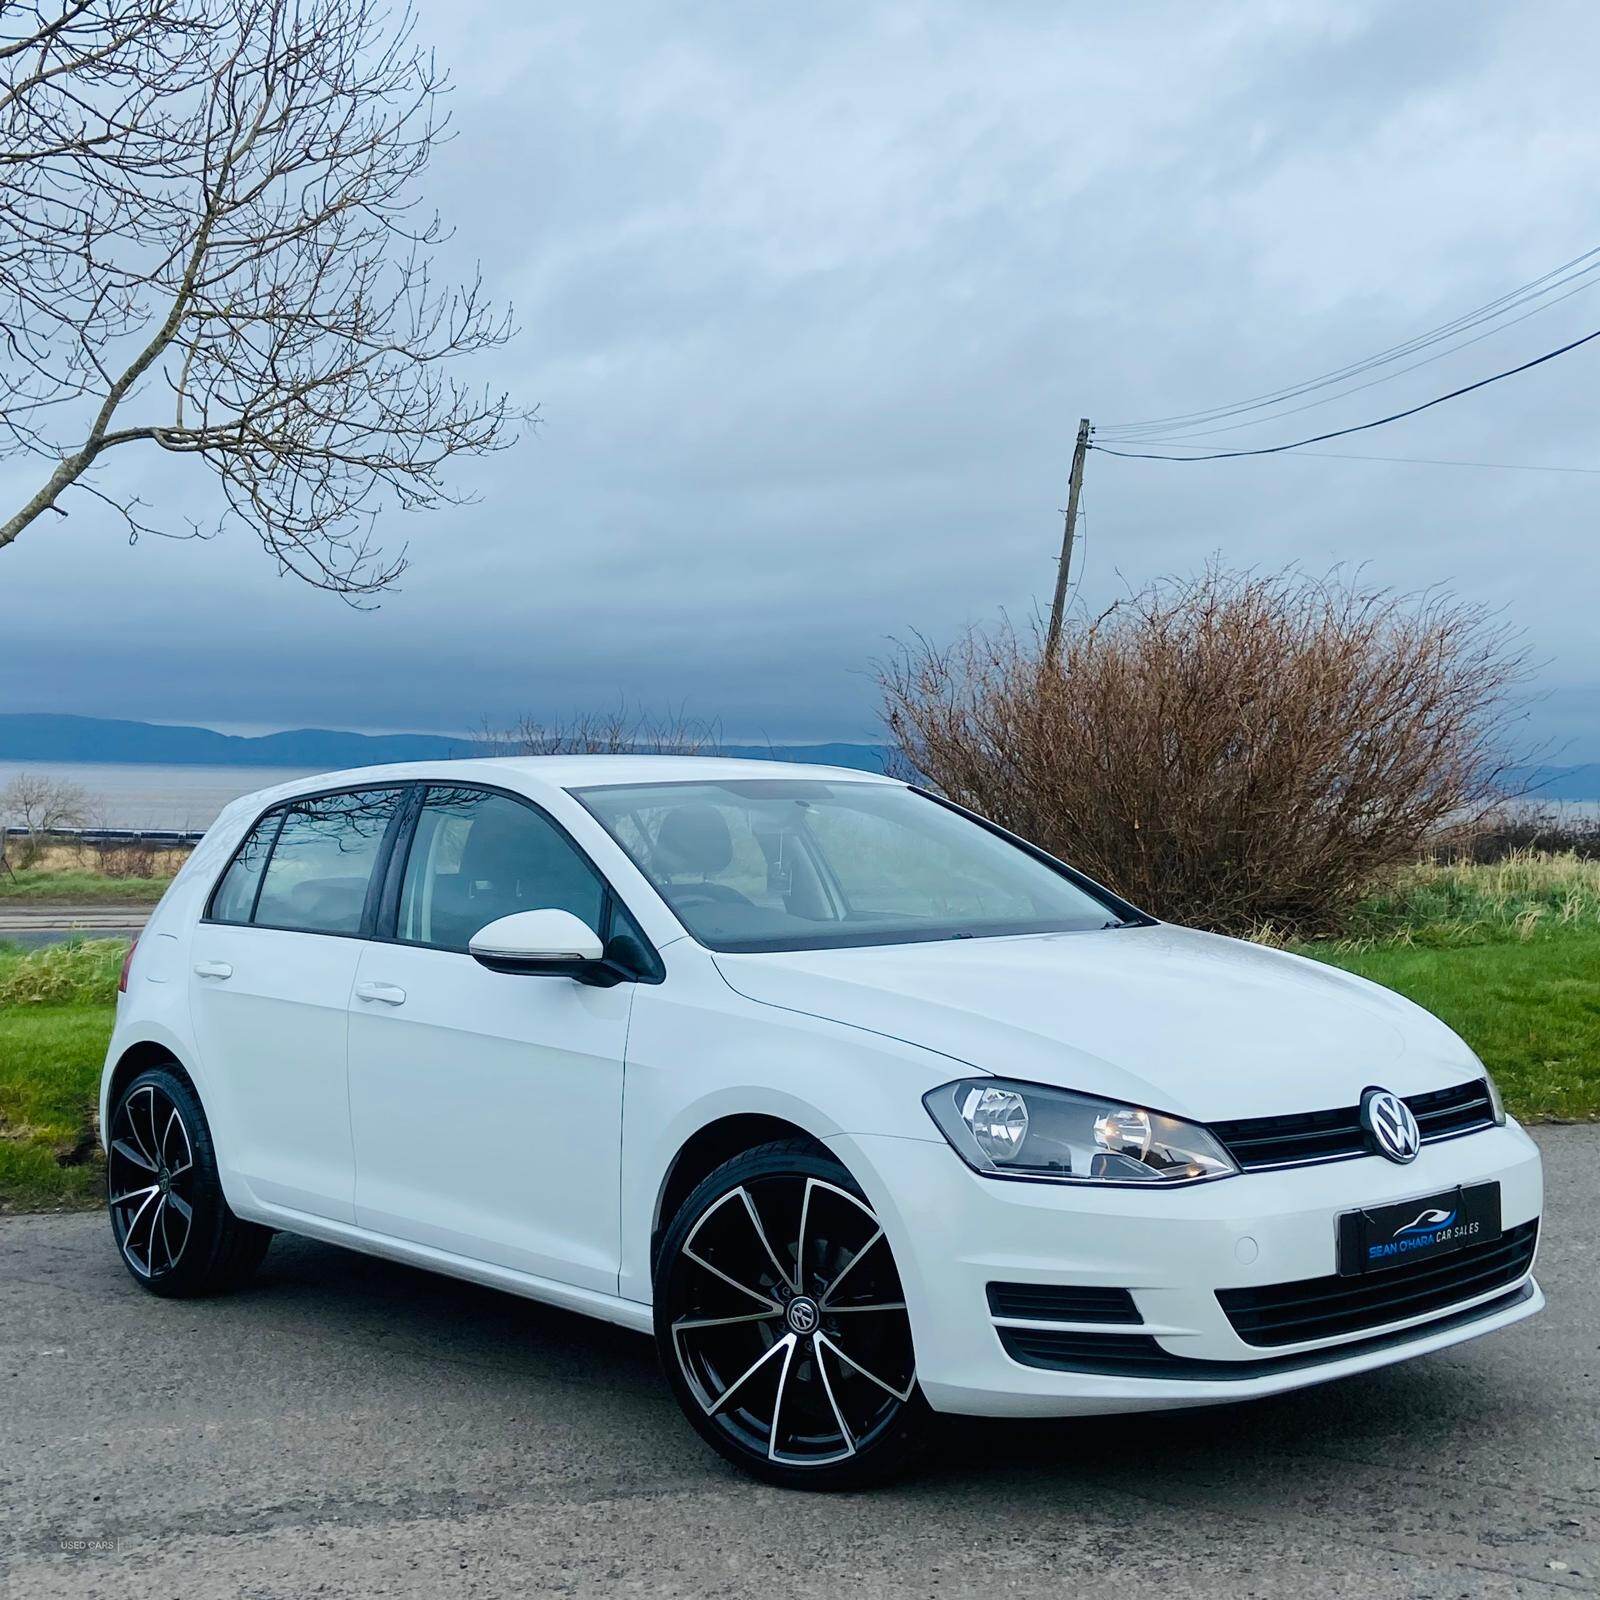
173, 1227
783, 1325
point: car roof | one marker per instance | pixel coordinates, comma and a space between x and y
570, 772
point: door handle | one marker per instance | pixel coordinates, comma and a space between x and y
212, 969
385, 994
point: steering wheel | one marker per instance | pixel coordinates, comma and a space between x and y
712, 893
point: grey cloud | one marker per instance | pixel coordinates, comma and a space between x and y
812, 300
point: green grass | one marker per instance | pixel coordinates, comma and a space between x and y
1508, 954
50, 1059
57, 1005
1529, 1007
1520, 898
74, 972
35, 885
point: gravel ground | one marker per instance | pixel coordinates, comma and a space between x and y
349, 1427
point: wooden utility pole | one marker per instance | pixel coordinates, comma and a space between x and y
1074, 484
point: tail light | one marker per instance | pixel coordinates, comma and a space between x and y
127, 962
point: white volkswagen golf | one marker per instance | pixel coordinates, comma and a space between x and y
865, 1107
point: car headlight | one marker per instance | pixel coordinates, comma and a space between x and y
1025, 1130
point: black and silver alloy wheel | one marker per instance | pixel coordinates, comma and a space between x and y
784, 1325
151, 1173
174, 1228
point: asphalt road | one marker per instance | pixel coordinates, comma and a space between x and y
24, 923
348, 1427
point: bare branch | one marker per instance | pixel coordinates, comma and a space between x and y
40, 805
220, 194
626, 730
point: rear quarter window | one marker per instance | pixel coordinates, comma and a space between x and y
235, 896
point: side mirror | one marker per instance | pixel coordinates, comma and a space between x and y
539, 941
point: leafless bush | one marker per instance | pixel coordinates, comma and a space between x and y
1229, 750
624, 731
209, 246
40, 805
134, 858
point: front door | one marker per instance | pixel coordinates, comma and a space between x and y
486, 1107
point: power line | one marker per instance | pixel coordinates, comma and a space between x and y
1430, 461
1439, 461
1533, 289
1360, 427
1458, 324
1387, 377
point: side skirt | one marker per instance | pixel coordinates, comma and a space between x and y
635, 1314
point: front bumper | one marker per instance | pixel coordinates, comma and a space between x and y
954, 1232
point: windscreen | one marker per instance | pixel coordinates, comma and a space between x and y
781, 864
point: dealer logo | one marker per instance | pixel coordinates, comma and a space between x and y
1433, 1220
1390, 1125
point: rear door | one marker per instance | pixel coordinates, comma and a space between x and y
487, 1106
274, 961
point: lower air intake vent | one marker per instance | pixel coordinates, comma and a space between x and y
1061, 1302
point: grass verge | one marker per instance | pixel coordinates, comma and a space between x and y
1446, 906
62, 872
1508, 954
50, 1058
76, 886
1529, 1007
56, 1010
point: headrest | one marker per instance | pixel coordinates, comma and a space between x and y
496, 842
694, 839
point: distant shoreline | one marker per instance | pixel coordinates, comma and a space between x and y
40, 738
160, 796
186, 797
183, 791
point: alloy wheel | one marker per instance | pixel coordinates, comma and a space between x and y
789, 1324
151, 1173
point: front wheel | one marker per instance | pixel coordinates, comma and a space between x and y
782, 1323
173, 1226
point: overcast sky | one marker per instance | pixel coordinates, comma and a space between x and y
812, 298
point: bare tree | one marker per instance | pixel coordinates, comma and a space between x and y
41, 805
210, 245
1231, 750
624, 731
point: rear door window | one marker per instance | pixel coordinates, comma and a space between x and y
322, 861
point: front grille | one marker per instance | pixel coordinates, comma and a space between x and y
1325, 1308
1462, 1109
1257, 1143
1135, 1355
1060, 1302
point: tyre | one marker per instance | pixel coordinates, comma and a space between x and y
782, 1324
173, 1228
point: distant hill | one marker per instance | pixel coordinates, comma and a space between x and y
40, 736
